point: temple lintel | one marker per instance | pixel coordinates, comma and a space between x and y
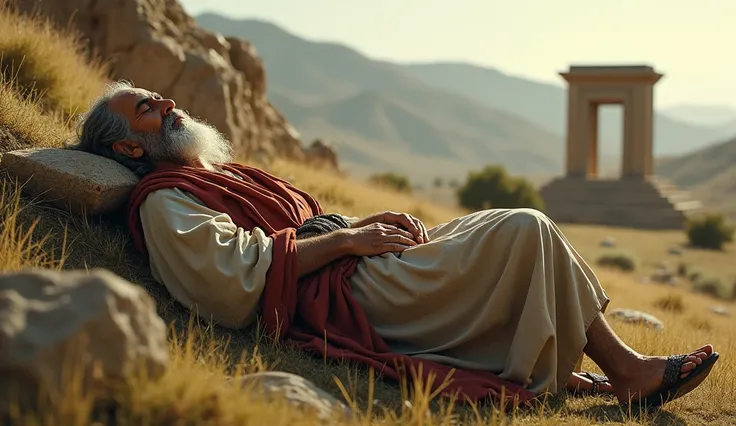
611, 73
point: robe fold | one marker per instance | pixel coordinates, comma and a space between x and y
317, 312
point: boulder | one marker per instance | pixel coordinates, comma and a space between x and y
296, 390
72, 180
218, 79
637, 317
94, 323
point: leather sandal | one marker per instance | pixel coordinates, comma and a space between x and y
597, 379
673, 386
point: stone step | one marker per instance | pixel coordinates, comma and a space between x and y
652, 203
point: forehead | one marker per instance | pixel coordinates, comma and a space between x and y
125, 102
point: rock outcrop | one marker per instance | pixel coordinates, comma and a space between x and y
323, 154
72, 180
156, 45
93, 326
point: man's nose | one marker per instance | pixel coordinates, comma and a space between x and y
167, 105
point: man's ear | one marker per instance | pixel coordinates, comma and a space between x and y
127, 147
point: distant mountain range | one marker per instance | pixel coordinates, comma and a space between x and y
704, 115
441, 119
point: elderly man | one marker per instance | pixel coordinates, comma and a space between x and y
499, 295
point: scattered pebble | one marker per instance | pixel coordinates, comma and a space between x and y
675, 251
608, 242
720, 310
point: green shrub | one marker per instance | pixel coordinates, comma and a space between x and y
710, 285
618, 260
391, 180
492, 187
710, 231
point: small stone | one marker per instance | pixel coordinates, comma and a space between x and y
297, 390
608, 242
720, 310
675, 251
632, 316
664, 276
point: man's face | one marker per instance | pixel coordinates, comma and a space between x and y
166, 133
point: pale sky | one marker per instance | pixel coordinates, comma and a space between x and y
692, 42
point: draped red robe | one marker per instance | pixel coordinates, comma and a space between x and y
319, 305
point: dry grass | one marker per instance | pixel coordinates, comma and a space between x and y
47, 65
45, 81
194, 390
352, 197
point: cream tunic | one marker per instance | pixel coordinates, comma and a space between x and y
501, 290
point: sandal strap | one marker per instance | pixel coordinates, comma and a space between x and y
595, 377
673, 369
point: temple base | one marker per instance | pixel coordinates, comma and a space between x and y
649, 203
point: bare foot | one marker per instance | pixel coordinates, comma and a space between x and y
578, 382
647, 377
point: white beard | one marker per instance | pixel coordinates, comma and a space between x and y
194, 141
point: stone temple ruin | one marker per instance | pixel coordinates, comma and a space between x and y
638, 199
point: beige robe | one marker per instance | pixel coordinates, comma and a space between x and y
501, 290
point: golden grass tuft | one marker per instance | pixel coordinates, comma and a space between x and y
46, 64
671, 302
45, 82
18, 247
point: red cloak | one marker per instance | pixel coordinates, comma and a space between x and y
319, 305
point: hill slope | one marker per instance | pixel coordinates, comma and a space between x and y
330, 91
706, 115
544, 104
710, 173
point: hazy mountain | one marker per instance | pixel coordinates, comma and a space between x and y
704, 115
380, 117
429, 119
545, 104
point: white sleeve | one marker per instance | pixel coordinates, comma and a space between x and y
206, 262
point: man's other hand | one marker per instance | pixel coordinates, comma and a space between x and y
401, 220
376, 239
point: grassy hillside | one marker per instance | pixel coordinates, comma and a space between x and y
333, 92
710, 173
544, 104
193, 391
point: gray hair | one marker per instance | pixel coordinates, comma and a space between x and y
99, 128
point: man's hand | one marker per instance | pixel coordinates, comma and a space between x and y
376, 239
400, 220
370, 240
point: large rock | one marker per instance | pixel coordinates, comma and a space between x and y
323, 154
296, 390
72, 180
155, 44
96, 323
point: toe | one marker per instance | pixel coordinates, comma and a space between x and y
687, 368
697, 359
703, 351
